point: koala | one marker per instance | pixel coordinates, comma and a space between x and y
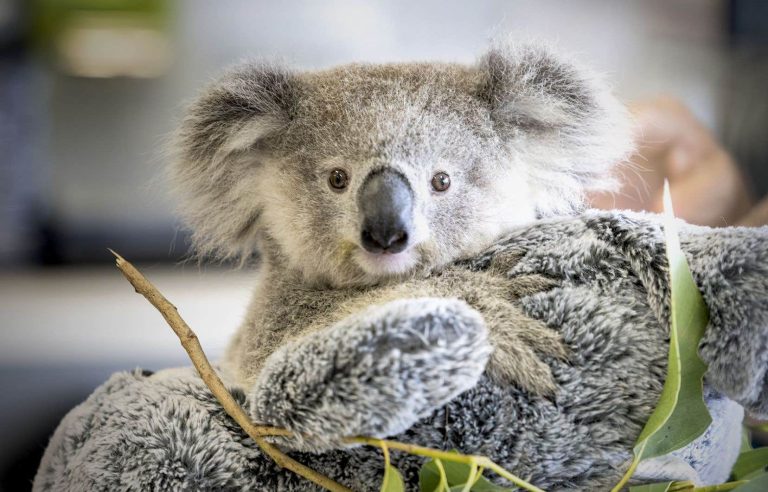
357, 184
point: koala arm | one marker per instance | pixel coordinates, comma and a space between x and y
374, 373
730, 266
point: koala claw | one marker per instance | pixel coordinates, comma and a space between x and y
374, 373
516, 358
518, 364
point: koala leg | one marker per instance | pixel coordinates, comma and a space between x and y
374, 373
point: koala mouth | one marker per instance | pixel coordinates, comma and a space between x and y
383, 264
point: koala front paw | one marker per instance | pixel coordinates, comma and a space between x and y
374, 373
520, 345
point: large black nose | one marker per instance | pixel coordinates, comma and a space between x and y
385, 201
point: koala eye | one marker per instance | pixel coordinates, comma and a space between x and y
441, 181
338, 179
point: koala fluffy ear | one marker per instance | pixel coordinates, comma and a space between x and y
561, 122
216, 149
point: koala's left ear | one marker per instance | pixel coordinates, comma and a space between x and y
561, 122
223, 137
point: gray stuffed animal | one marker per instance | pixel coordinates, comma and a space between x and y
413, 286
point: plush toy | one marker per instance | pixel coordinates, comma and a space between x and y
421, 278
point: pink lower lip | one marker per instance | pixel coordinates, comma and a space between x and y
386, 259
384, 254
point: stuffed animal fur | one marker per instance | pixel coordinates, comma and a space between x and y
413, 284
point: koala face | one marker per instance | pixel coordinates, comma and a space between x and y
367, 172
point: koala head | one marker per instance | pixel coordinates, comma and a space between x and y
361, 173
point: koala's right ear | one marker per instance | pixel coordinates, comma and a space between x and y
560, 120
215, 151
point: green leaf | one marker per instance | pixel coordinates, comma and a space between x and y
481, 485
456, 475
393, 481
680, 415
746, 439
685, 485
651, 487
749, 462
429, 478
761, 427
485, 485
757, 484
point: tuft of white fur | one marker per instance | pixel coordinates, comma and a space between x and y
565, 127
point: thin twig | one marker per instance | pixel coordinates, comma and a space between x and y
192, 345
628, 474
719, 488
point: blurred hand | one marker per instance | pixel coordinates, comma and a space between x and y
707, 187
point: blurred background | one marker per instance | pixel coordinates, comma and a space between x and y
90, 89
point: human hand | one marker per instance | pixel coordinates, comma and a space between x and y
707, 186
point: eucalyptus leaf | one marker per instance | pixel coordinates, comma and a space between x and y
429, 478
746, 439
750, 461
651, 487
685, 485
484, 485
481, 485
757, 484
393, 481
680, 415
457, 475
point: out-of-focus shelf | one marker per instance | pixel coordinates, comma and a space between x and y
91, 316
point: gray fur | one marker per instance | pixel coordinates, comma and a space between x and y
606, 297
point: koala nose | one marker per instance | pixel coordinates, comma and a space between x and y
385, 202
376, 243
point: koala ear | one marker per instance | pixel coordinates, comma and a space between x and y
560, 121
216, 150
